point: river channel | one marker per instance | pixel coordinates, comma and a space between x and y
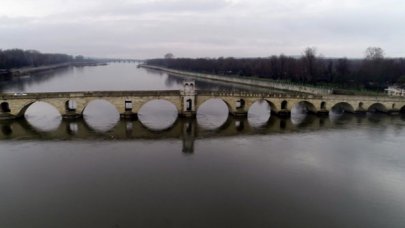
339, 170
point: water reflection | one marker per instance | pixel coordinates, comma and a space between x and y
259, 113
6, 130
305, 171
212, 114
158, 114
348, 175
72, 128
43, 116
28, 83
110, 77
190, 129
101, 115
90, 78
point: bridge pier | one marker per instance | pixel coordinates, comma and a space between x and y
72, 126
72, 115
7, 116
360, 112
129, 115
394, 112
240, 122
239, 114
283, 113
187, 114
322, 112
188, 133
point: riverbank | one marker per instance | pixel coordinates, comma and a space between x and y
268, 83
30, 70
264, 83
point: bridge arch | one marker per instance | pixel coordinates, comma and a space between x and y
213, 113
23, 110
342, 107
102, 103
377, 107
360, 106
284, 104
100, 115
158, 114
259, 112
147, 102
322, 106
212, 100
240, 103
5, 107
137, 105
273, 106
41, 115
303, 107
70, 106
402, 109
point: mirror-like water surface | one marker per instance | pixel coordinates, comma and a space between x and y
211, 171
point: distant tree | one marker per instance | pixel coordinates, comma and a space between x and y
374, 53
15, 58
309, 64
2, 59
342, 70
79, 58
169, 56
401, 80
372, 73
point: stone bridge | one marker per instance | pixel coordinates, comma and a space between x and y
188, 100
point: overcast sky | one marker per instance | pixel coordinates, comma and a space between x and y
203, 28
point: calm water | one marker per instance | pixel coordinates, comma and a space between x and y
214, 171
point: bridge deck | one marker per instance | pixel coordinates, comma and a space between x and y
187, 103
89, 94
139, 93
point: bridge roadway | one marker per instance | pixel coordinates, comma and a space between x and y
188, 100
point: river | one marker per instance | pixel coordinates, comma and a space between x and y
214, 171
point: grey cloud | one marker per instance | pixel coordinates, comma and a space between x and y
14, 21
210, 28
175, 6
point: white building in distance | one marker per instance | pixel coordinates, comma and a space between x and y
395, 91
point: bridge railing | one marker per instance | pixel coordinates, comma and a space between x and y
255, 94
156, 93
88, 94
159, 93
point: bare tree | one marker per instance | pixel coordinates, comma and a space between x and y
309, 63
374, 53
169, 56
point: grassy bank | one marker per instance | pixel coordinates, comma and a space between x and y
269, 83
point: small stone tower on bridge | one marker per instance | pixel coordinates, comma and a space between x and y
188, 99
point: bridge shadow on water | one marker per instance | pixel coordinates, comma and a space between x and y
188, 130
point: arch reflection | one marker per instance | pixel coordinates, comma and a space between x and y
42, 116
100, 115
212, 114
158, 115
188, 130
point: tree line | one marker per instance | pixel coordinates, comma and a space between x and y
16, 58
372, 72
